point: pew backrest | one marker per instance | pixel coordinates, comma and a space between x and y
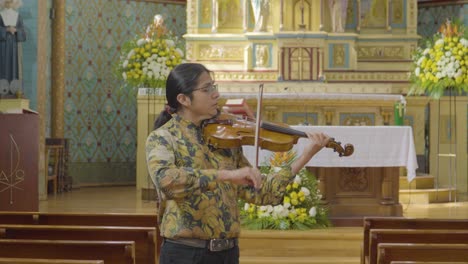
389, 252
92, 219
407, 223
144, 237
115, 252
47, 261
428, 236
427, 262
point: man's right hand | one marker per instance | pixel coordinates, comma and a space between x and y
244, 176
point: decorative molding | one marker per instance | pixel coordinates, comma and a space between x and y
212, 52
246, 76
180, 2
341, 76
381, 52
353, 180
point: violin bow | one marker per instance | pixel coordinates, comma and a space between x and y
257, 127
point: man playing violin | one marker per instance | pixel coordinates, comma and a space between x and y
198, 186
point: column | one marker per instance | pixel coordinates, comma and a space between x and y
58, 68
42, 62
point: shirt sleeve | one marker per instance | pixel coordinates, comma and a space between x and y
273, 186
175, 182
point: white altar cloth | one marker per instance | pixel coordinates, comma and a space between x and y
374, 146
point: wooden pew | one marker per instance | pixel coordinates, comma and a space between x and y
435, 236
144, 237
389, 252
406, 223
426, 262
88, 219
92, 219
47, 261
115, 252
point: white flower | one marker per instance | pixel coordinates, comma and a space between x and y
420, 60
439, 42
141, 42
426, 51
417, 71
286, 205
170, 43
305, 191
297, 179
464, 42
313, 212
125, 64
181, 53
269, 208
246, 206
130, 54
124, 75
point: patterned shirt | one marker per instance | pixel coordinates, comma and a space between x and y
184, 170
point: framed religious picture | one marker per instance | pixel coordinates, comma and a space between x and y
373, 14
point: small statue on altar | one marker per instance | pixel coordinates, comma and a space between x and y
261, 55
156, 29
11, 34
338, 9
261, 10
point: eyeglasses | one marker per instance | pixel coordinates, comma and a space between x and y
210, 89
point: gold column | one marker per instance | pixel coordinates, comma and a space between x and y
58, 66
42, 47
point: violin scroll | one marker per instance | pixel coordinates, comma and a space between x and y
336, 146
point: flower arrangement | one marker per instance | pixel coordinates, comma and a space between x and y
147, 59
442, 64
300, 209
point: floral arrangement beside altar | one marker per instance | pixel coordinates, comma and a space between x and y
147, 59
442, 64
300, 209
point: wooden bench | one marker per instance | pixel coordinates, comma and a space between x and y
435, 236
47, 261
87, 219
389, 252
405, 223
92, 219
115, 252
144, 237
426, 262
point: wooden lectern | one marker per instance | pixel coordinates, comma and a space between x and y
19, 166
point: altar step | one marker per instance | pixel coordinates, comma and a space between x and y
320, 246
421, 191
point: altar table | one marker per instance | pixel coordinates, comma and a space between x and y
365, 183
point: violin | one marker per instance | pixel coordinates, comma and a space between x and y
229, 131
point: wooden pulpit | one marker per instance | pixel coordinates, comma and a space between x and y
19, 161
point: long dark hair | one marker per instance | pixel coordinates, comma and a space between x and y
183, 79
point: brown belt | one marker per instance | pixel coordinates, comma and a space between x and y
212, 244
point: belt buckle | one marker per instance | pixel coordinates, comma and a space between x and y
219, 244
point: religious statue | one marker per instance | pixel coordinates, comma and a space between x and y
261, 10
262, 56
338, 10
11, 34
374, 13
156, 29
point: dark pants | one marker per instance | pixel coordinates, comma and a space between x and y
172, 253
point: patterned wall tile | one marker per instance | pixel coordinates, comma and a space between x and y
100, 119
